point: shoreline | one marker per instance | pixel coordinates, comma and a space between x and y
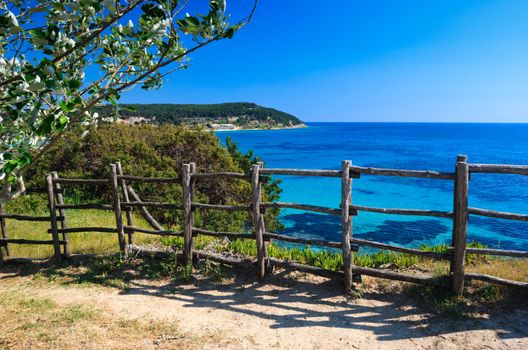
299, 126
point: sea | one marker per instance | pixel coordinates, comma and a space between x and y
420, 146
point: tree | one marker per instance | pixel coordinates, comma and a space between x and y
47, 47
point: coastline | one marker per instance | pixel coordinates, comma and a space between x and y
298, 126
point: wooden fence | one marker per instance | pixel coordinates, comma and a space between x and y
125, 198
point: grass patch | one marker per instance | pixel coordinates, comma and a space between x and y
115, 271
478, 297
34, 321
80, 243
440, 301
35, 304
109, 271
156, 268
213, 270
184, 272
327, 259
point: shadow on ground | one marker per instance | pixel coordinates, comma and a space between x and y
288, 300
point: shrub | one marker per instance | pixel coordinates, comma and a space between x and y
152, 151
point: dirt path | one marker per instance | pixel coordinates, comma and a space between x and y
292, 312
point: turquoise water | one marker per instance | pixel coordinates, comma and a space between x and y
398, 145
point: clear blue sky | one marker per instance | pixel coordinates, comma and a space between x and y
375, 60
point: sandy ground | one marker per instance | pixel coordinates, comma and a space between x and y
292, 311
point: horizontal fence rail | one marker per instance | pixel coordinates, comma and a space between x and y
498, 252
415, 212
220, 207
496, 280
85, 206
24, 217
403, 173
81, 181
498, 214
230, 175
169, 180
152, 205
153, 232
84, 229
306, 207
499, 169
311, 242
227, 175
301, 172
125, 199
27, 241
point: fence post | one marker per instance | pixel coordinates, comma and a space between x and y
193, 181
3, 228
346, 221
53, 218
263, 227
258, 222
62, 213
460, 220
187, 213
128, 210
117, 208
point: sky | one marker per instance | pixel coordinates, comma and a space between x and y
368, 61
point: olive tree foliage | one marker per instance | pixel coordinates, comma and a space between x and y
47, 47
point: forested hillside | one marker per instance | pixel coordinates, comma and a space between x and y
239, 114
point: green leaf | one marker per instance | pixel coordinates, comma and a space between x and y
46, 125
74, 84
229, 33
153, 11
64, 106
192, 21
63, 120
38, 34
10, 166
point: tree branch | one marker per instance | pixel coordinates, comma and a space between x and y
88, 39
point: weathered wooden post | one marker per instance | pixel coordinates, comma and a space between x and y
263, 223
460, 221
53, 218
346, 221
62, 213
187, 213
258, 226
3, 229
128, 210
193, 182
117, 208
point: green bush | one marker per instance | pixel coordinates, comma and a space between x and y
152, 151
32, 204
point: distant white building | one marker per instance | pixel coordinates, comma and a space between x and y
222, 126
136, 120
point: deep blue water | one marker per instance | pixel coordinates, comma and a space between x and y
398, 145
